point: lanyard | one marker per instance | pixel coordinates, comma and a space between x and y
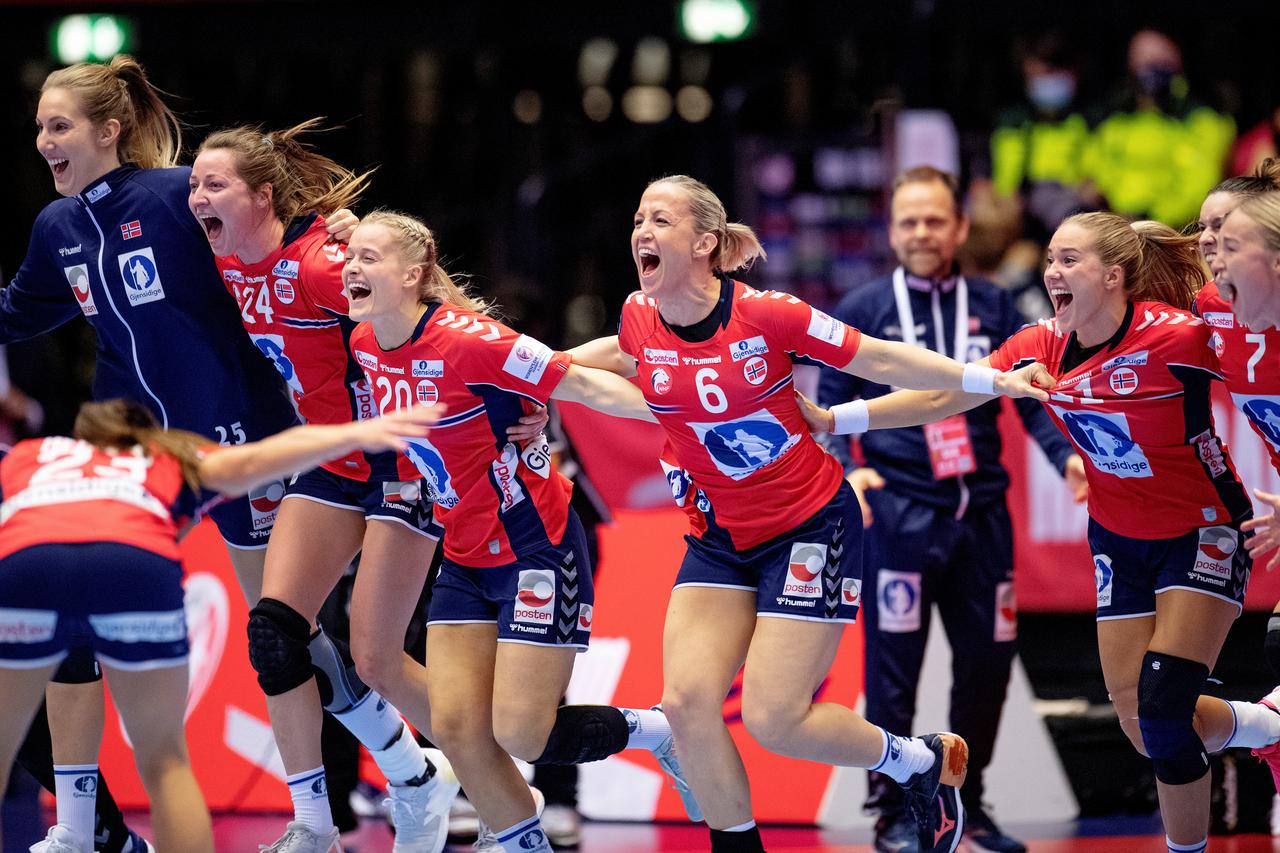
907, 320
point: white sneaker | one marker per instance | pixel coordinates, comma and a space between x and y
562, 824
61, 839
487, 841
665, 752
420, 813
300, 838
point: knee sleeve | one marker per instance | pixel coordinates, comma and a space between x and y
1271, 645
80, 666
1167, 692
278, 637
585, 733
339, 684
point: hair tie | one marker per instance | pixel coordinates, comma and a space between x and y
266, 140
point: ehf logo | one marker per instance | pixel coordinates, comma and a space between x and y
1217, 545
264, 500
804, 570
535, 597
427, 392
140, 276
272, 346
1263, 413
1102, 576
755, 370
78, 278
423, 454
1124, 381
1105, 439
661, 380
283, 289
739, 448
86, 785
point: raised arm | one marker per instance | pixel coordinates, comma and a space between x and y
904, 366
235, 470
603, 391
604, 354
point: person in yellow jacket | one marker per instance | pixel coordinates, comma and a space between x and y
1158, 151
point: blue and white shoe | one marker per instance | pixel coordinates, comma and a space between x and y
135, 843
420, 813
665, 752
933, 795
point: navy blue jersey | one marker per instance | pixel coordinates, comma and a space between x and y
128, 254
901, 455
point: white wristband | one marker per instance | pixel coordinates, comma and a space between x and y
978, 379
851, 418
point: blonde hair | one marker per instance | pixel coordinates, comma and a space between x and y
737, 246
1159, 263
302, 180
417, 246
1265, 210
121, 424
150, 134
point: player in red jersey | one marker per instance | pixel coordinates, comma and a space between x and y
776, 532
1166, 508
516, 568
89, 554
261, 199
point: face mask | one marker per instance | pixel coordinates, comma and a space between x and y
1155, 81
1051, 92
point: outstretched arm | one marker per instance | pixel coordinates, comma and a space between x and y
235, 470
603, 391
604, 354
905, 366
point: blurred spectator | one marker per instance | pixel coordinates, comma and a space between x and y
1156, 151
1038, 147
1262, 141
998, 252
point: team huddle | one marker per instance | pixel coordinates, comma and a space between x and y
239, 297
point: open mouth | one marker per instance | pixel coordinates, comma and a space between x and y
1061, 298
212, 226
357, 290
1227, 290
649, 261
59, 166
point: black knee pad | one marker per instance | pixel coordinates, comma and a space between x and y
80, 666
585, 733
1168, 689
278, 637
339, 684
1271, 645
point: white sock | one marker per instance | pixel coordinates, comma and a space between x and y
742, 827
310, 795
903, 757
525, 837
1198, 847
402, 761
646, 729
373, 720
1256, 725
76, 789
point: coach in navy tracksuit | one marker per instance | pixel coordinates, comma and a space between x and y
939, 526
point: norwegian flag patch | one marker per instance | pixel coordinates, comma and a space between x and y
129, 230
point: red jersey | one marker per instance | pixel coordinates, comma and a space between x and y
496, 502
59, 489
293, 306
727, 405
1250, 366
1138, 410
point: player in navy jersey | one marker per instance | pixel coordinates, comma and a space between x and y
261, 198
1166, 508
513, 602
89, 555
773, 567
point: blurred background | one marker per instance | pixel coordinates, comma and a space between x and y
525, 133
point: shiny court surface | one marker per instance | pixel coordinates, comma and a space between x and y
1123, 835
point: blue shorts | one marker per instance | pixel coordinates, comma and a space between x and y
544, 598
402, 501
124, 603
813, 572
1129, 573
246, 521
